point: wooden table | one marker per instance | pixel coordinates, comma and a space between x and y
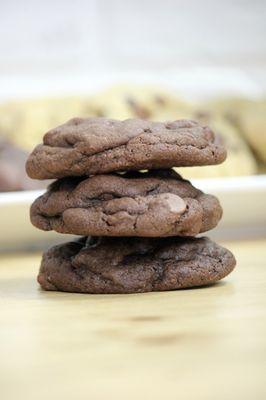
192, 344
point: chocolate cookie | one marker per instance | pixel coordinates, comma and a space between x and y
100, 145
131, 265
155, 203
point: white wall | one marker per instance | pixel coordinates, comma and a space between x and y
39, 36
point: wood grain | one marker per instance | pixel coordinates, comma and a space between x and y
193, 344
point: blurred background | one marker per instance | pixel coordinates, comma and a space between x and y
163, 60
93, 36
200, 59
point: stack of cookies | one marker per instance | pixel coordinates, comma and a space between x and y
137, 217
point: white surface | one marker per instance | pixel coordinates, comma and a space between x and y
243, 200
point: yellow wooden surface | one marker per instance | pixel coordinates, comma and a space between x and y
192, 344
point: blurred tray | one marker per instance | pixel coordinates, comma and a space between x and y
243, 200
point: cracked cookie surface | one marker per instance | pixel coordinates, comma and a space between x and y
155, 203
132, 265
101, 145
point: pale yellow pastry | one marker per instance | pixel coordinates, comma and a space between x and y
252, 123
249, 116
141, 101
25, 122
240, 160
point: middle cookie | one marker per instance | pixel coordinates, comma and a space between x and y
154, 204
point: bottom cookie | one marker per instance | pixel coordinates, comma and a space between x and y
133, 265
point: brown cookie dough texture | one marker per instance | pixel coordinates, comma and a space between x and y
132, 265
100, 145
155, 203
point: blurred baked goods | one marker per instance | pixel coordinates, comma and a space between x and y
252, 124
12, 169
240, 122
141, 101
248, 116
240, 160
24, 122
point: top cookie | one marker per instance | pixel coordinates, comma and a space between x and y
100, 145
